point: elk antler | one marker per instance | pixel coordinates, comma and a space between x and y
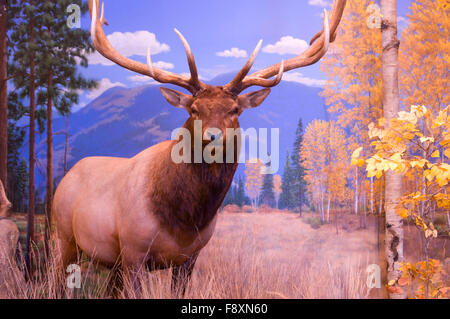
104, 47
319, 47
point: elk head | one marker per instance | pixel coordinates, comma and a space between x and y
217, 107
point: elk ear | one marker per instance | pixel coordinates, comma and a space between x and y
176, 98
253, 99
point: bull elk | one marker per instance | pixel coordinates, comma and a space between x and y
148, 210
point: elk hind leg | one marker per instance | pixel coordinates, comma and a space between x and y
181, 276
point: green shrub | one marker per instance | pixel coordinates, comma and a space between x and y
440, 220
314, 222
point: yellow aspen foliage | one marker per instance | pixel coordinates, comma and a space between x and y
353, 71
254, 179
424, 55
326, 162
277, 186
416, 143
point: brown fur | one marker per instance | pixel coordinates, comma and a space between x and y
148, 210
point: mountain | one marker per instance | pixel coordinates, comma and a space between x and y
124, 121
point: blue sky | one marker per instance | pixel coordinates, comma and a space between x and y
222, 33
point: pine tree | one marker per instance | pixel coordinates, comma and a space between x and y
26, 43
240, 193
21, 183
267, 193
3, 94
287, 196
298, 169
61, 49
229, 197
8, 12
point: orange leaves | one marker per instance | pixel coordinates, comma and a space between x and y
411, 145
253, 178
395, 145
355, 158
326, 159
394, 289
423, 55
424, 277
353, 87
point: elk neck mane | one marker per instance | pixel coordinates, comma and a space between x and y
188, 195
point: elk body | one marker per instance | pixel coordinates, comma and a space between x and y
147, 210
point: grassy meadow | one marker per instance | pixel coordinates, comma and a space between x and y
254, 254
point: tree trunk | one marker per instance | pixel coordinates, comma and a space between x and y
300, 200
380, 207
391, 104
328, 209
49, 195
3, 96
356, 191
31, 190
66, 145
372, 208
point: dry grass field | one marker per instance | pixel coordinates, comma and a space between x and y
257, 255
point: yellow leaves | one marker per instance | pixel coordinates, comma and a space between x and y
375, 131
424, 276
426, 139
447, 153
420, 163
442, 200
325, 154
428, 175
355, 158
419, 110
435, 154
442, 118
431, 233
440, 172
410, 117
402, 212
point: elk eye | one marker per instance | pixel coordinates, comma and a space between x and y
194, 111
235, 111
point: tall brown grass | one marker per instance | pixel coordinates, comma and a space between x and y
250, 256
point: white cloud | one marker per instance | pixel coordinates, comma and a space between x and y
140, 79
320, 3
287, 45
188, 75
148, 80
129, 44
233, 53
299, 78
103, 85
164, 65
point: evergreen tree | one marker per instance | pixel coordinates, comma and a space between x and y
62, 47
26, 43
298, 170
267, 193
229, 197
45, 62
8, 24
286, 196
21, 183
240, 193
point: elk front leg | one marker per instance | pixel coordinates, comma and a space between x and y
181, 276
115, 282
